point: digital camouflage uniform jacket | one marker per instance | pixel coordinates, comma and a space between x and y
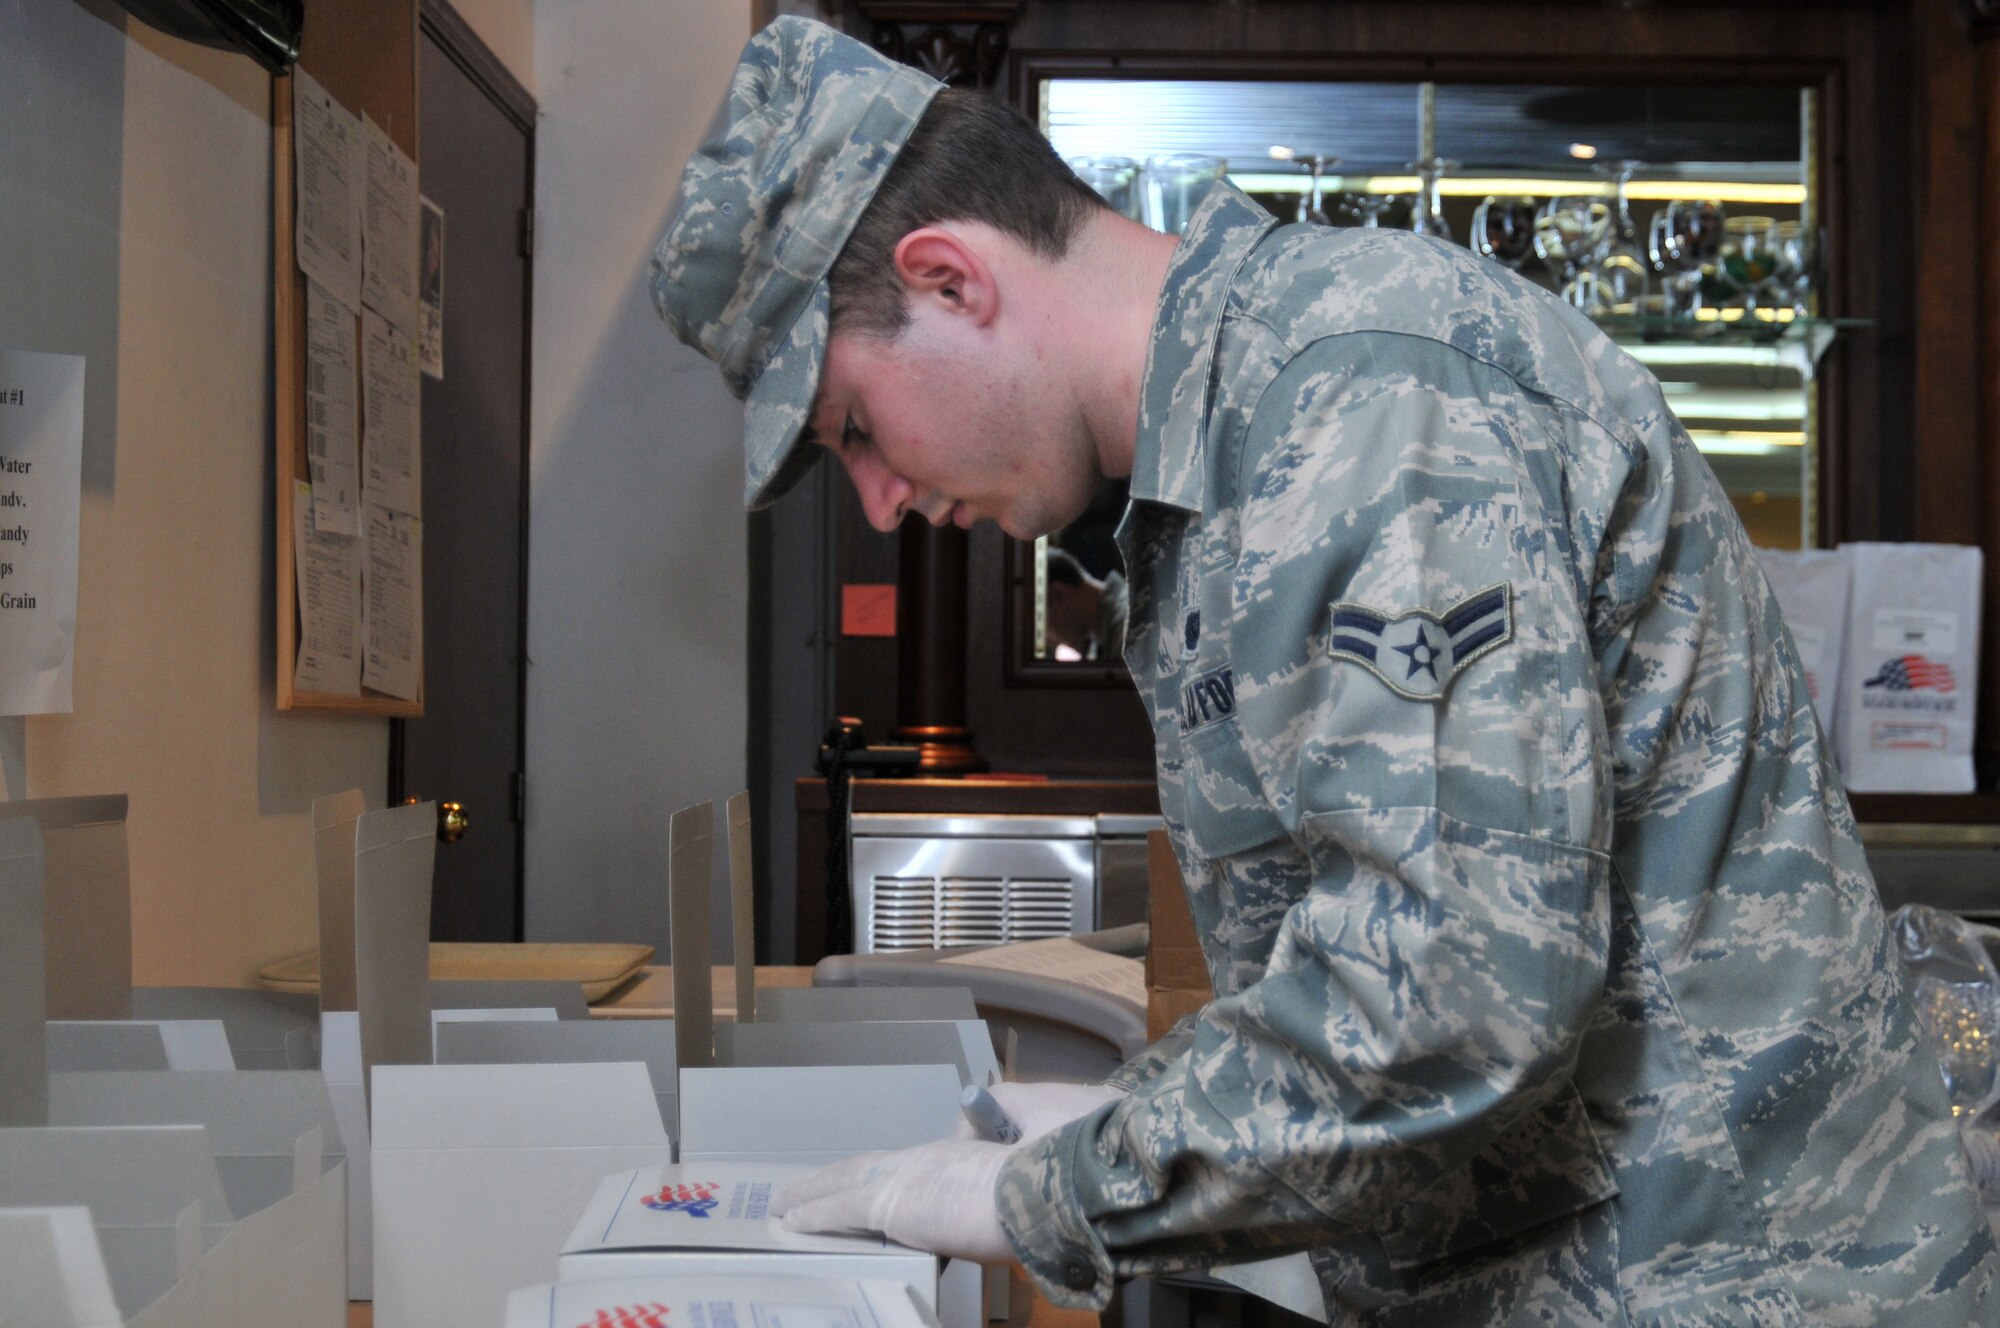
1551, 983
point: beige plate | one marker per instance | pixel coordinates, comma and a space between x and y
599, 969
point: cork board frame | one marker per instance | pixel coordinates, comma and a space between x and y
364, 53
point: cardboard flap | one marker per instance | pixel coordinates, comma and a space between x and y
650, 1041
247, 1114
128, 1176
458, 1107
86, 904
495, 1015
333, 867
742, 906
78, 1046
308, 1156
262, 1027
828, 1005
24, 1055
54, 1270
173, 1044
962, 1044
690, 878
814, 1113
187, 1240
394, 854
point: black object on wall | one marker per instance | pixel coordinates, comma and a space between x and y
265, 30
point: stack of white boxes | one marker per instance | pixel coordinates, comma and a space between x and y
162, 1197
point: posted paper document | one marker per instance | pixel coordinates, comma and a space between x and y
329, 587
392, 417
329, 172
332, 453
392, 624
389, 232
41, 495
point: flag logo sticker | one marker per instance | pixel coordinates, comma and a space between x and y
1914, 673
1417, 653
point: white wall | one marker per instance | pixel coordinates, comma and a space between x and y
136, 232
637, 570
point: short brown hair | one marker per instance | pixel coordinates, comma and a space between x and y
970, 158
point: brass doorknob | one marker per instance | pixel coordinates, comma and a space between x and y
452, 822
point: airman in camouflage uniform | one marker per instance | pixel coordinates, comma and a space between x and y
1552, 986
1551, 983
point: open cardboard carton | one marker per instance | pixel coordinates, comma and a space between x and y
161, 1246
481, 1170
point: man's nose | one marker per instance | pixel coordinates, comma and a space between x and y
883, 494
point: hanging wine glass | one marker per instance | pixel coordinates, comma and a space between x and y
1503, 229
1749, 257
1427, 210
1312, 207
1795, 262
1367, 209
1570, 233
1624, 277
1687, 239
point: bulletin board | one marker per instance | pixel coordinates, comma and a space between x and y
363, 54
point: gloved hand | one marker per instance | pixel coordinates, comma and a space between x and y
936, 1197
1041, 1108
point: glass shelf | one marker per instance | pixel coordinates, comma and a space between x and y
1801, 341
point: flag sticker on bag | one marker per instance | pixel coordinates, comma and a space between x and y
1913, 673
1417, 653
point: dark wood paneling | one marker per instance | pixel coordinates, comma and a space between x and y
1989, 395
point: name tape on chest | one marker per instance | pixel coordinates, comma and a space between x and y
1417, 653
1208, 699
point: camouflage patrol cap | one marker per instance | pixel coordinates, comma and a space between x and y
812, 123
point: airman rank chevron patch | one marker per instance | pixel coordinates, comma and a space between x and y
1417, 653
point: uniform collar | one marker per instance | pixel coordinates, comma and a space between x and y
1167, 464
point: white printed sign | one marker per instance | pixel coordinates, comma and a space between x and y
41, 496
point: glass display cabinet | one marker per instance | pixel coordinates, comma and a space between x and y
1681, 218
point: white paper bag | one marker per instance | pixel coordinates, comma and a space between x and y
1910, 683
1812, 590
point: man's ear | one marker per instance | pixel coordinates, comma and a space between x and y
937, 263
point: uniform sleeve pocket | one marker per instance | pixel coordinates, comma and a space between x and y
1227, 812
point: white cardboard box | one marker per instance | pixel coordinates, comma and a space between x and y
480, 1171
713, 1302
713, 1219
157, 1213
282, 1260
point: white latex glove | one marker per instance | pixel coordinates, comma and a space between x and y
1042, 1108
936, 1197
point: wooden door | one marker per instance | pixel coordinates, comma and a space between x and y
477, 135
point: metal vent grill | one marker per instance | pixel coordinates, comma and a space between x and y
904, 916
930, 913
1039, 908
